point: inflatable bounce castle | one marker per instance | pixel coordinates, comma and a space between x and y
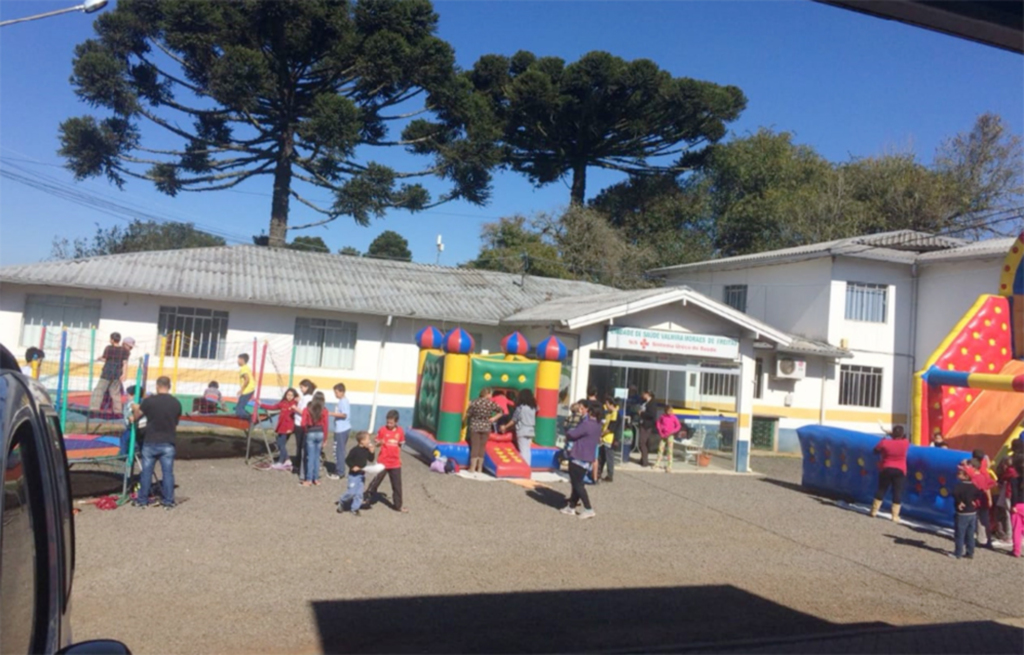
971, 391
450, 376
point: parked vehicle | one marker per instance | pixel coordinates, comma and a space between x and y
37, 526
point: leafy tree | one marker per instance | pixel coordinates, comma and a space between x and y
309, 244
600, 111
390, 245
303, 92
139, 236
662, 214
755, 185
591, 249
350, 251
985, 166
509, 245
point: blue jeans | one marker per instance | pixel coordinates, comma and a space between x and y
966, 525
340, 445
150, 453
282, 449
354, 493
314, 442
525, 443
241, 408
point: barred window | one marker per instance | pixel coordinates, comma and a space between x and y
860, 386
201, 332
75, 314
323, 343
866, 302
718, 384
758, 378
736, 296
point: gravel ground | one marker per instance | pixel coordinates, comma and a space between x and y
254, 563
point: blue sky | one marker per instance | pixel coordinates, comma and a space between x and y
846, 84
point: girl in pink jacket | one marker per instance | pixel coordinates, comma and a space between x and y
668, 427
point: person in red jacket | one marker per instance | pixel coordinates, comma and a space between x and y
389, 439
314, 424
285, 427
893, 464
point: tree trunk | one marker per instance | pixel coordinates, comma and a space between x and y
579, 183
282, 194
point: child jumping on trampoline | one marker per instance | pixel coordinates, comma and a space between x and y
285, 427
390, 439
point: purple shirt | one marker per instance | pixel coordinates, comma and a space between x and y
585, 439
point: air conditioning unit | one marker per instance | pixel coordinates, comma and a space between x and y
788, 368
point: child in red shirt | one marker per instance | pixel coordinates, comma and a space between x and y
285, 427
389, 439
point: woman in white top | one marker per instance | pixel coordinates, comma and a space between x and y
306, 391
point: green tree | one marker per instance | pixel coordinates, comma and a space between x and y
309, 244
591, 249
985, 167
139, 236
511, 246
390, 245
662, 214
350, 251
755, 185
302, 92
600, 111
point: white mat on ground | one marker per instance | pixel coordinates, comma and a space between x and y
927, 527
537, 476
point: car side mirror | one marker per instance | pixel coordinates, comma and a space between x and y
96, 647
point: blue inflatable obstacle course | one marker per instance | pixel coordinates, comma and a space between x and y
843, 462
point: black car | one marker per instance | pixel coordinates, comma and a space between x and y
37, 526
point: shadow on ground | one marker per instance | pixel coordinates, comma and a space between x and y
717, 619
563, 621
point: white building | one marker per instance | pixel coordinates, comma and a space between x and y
888, 299
334, 318
825, 333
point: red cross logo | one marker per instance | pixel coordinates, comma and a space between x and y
644, 344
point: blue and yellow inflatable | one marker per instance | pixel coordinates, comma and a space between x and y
843, 462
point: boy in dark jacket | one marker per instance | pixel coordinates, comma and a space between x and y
965, 497
357, 460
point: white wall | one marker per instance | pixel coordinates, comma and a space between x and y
946, 290
389, 375
792, 296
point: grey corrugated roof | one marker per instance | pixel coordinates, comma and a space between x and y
292, 278
988, 248
803, 345
900, 246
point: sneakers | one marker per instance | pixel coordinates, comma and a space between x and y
333, 476
587, 514
280, 467
168, 506
136, 503
568, 511
356, 513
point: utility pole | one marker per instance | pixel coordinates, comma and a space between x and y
440, 249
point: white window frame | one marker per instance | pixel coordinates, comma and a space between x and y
862, 300
60, 312
311, 348
861, 386
732, 294
207, 322
718, 385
